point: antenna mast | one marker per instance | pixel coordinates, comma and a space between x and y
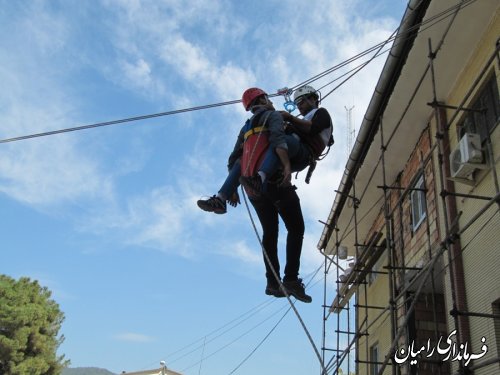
351, 130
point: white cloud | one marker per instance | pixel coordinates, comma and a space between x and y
50, 172
159, 215
138, 73
191, 62
162, 31
316, 197
157, 219
43, 171
43, 32
185, 57
154, 50
242, 252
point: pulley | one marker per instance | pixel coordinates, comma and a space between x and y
289, 104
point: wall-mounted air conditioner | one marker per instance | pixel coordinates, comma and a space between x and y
466, 157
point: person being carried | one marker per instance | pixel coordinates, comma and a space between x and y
294, 150
263, 132
264, 119
280, 200
306, 139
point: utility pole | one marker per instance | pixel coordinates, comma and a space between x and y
351, 130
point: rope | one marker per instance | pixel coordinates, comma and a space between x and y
359, 67
275, 326
115, 122
292, 305
439, 17
393, 38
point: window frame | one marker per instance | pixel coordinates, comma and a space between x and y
487, 97
372, 276
374, 354
419, 208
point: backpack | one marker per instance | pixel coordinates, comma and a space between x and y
255, 144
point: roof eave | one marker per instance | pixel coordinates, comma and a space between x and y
398, 54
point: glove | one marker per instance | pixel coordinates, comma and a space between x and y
234, 200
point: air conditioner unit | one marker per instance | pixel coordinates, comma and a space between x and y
467, 156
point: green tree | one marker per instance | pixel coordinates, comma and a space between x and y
29, 326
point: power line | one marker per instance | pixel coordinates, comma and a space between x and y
121, 121
237, 338
439, 17
261, 342
402, 38
232, 324
216, 337
252, 352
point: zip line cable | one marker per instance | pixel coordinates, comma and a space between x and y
277, 277
450, 12
356, 70
439, 18
121, 121
401, 38
292, 305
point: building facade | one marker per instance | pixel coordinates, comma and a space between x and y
418, 205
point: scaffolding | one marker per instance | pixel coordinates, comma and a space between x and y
418, 286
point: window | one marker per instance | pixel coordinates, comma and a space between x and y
374, 359
372, 276
483, 122
417, 198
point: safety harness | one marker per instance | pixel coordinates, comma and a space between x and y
315, 155
255, 144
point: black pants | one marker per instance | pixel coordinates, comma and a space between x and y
282, 201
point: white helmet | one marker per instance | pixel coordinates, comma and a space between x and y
304, 90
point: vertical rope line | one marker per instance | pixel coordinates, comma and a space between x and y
292, 305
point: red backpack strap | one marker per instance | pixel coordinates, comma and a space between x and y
255, 146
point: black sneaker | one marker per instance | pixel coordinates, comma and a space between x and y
253, 184
213, 204
296, 288
273, 289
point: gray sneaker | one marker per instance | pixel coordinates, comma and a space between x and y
296, 288
213, 204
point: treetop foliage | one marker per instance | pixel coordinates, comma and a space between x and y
29, 327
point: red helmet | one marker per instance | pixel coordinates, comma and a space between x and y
250, 95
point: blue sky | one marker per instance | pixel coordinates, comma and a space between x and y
107, 218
